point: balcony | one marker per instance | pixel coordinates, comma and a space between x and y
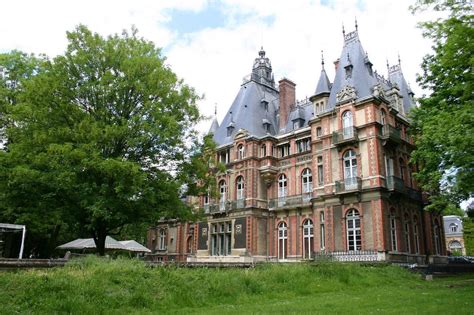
238, 204
345, 136
390, 135
290, 201
348, 185
395, 184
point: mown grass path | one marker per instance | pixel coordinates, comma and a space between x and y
97, 286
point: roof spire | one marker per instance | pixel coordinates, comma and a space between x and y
322, 59
356, 26
399, 61
215, 109
388, 66
343, 31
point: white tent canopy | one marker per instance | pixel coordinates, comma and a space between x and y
110, 244
6, 227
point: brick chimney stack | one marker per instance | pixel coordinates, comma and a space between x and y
336, 64
287, 99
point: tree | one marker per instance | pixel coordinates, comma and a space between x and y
443, 124
98, 137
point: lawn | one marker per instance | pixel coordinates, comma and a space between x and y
121, 286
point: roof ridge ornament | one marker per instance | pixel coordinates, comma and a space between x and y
322, 59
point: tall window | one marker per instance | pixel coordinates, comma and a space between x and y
407, 233
282, 240
350, 170
224, 156
437, 237
241, 151
308, 239
240, 188
347, 125
303, 145
322, 237
221, 239
162, 240
320, 170
189, 245
263, 150
282, 189
453, 227
388, 166
222, 194
354, 240
393, 231
319, 132
383, 117
284, 150
401, 163
416, 236
306, 184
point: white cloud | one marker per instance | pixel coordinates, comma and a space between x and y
215, 60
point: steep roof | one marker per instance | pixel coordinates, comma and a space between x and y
249, 112
395, 75
354, 70
214, 126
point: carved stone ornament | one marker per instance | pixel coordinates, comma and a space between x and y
346, 93
378, 91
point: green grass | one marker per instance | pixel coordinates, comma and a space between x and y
95, 286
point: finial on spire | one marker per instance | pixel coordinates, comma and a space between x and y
215, 109
322, 58
388, 66
399, 61
261, 53
343, 31
356, 26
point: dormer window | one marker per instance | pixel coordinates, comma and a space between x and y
230, 129
349, 68
266, 125
264, 103
297, 123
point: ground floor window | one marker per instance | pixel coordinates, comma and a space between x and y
221, 239
308, 239
354, 240
282, 240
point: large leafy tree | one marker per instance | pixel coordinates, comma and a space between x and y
97, 138
443, 125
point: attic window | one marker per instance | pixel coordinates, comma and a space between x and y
266, 126
348, 70
297, 123
264, 103
230, 129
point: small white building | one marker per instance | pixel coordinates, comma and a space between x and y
453, 230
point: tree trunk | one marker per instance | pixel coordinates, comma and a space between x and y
99, 239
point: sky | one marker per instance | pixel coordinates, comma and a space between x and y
211, 44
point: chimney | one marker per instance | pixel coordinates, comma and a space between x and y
287, 100
336, 64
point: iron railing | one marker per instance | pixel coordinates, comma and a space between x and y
395, 183
289, 201
348, 134
348, 184
357, 255
391, 133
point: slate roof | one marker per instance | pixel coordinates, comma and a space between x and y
396, 76
257, 102
248, 112
361, 78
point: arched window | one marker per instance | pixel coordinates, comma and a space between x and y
282, 240
455, 247
162, 240
354, 240
453, 227
416, 235
189, 245
350, 170
308, 239
263, 150
437, 237
393, 231
407, 233
347, 125
402, 166
222, 194
240, 188
241, 151
306, 184
282, 189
